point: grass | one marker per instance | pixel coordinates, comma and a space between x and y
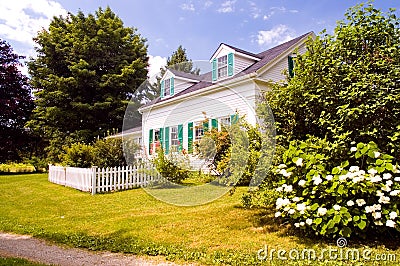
221, 232
17, 262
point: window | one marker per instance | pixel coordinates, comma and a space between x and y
291, 65
174, 138
222, 66
198, 131
167, 86
225, 122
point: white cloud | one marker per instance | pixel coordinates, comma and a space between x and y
255, 11
21, 20
155, 63
278, 9
188, 7
227, 6
207, 4
277, 35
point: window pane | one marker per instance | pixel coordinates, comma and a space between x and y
167, 85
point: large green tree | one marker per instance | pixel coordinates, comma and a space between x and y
86, 69
180, 61
346, 86
16, 104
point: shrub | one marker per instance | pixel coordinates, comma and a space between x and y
17, 168
108, 153
345, 200
78, 155
171, 167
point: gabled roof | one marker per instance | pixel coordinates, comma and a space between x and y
265, 58
241, 51
185, 75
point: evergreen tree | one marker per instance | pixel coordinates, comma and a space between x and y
86, 69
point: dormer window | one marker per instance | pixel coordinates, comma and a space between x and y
167, 87
223, 66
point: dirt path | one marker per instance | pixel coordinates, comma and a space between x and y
26, 247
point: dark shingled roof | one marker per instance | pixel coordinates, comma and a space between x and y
185, 75
205, 79
239, 50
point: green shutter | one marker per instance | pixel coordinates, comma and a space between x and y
150, 139
180, 137
161, 138
205, 126
190, 137
162, 89
214, 123
290, 66
230, 64
214, 69
234, 119
166, 140
171, 89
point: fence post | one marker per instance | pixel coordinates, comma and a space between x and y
94, 173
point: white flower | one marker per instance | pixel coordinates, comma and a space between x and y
299, 162
375, 179
377, 154
321, 211
390, 223
284, 173
389, 182
372, 171
279, 189
287, 208
393, 215
384, 200
397, 179
282, 166
317, 180
377, 207
342, 177
288, 188
369, 209
297, 224
386, 188
387, 176
354, 169
336, 207
350, 203
377, 215
302, 224
292, 211
282, 202
379, 193
394, 192
360, 202
302, 183
329, 177
296, 199
278, 214
301, 207
309, 221
353, 149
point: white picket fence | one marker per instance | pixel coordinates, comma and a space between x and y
103, 179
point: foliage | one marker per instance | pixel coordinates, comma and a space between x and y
346, 85
16, 105
78, 155
180, 61
17, 168
108, 153
86, 69
220, 146
171, 167
349, 199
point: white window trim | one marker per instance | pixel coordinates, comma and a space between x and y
222, 66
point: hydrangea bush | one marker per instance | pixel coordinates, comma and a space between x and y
344, 200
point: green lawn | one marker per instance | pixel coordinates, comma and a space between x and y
134, 222
17, 262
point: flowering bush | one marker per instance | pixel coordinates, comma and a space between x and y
345, 200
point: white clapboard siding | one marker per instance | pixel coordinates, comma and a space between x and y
103, 179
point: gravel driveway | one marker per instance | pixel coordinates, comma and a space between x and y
26, 247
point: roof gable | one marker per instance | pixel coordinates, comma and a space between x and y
224, 49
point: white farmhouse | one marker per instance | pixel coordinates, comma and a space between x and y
191, 104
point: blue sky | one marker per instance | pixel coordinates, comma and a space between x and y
200, 26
